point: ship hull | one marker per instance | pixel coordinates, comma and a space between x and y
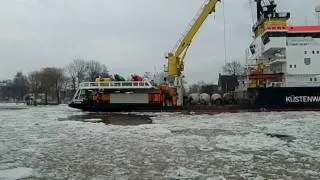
288, 97
262, 99
197, 109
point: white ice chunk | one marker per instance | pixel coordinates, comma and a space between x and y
184, 173
16, 173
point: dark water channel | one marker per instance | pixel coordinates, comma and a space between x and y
111, 118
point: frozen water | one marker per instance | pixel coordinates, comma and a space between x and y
16, 173
184, 173
62, 143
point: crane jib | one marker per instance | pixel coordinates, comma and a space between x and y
175, 61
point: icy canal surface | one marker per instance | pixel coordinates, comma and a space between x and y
62, 143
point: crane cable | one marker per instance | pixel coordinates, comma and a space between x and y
252, 11
224, 32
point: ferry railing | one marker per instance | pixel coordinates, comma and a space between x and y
117, 85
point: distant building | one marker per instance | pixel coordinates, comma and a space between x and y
227, 83
209, 88
5, 83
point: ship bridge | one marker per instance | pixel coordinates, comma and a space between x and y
291, 50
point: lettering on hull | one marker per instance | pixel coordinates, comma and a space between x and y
302, 99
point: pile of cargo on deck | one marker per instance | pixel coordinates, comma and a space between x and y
118, 77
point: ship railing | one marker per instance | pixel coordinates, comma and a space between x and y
276, 84
303, 84
117, 85
294, 84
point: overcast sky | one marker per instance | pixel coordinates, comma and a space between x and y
129, 36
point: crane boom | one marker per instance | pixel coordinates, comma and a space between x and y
175, 60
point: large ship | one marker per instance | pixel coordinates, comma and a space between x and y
282, 73
283, 64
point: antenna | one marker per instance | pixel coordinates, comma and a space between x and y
317, 10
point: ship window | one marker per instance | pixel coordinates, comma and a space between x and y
295, 66
313, 35
305, 52
313, 52
318, 52
290, 65
315, 79
310, 79
265, 38
307, 61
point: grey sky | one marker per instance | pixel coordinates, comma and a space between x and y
129, 36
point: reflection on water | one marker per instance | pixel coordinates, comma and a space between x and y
110, 118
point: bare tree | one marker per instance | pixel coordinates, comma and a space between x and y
7, 90
76, 71
58, 79
20, 86
72, 72
16, 88
34, 83
66, 92
51, 80
195, 88
233, 68
46, 83
95, 69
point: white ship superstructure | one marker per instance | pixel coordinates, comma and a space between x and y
289, 51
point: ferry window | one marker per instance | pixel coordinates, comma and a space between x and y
315, 79
290, 65
318, 52
305, 52
313, 52
310, 79
82, 95
307, 61
295, 66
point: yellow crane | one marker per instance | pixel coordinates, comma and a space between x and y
176, 57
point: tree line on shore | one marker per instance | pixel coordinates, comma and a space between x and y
54, 85
51, 84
